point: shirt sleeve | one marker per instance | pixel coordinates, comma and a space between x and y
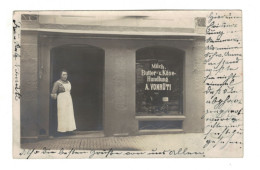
55, 88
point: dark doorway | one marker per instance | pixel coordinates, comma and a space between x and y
85, 66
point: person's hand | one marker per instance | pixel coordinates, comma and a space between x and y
54, 96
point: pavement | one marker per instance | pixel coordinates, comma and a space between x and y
97, 141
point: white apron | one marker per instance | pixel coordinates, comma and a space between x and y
66, 120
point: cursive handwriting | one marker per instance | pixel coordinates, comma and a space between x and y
16, 62
223, 81
62, 153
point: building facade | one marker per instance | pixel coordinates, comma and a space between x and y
130, 75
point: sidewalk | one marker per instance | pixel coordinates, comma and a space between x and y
193, 141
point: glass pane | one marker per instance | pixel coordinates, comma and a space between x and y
159, 76
177, 124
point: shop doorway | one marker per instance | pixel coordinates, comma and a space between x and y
85, 66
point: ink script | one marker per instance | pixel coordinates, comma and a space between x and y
223, 83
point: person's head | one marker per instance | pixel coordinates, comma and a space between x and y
64, 74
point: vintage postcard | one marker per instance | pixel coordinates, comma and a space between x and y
127, 84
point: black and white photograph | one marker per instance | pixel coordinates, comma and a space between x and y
129, 84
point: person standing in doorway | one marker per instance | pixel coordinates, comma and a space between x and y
65, 113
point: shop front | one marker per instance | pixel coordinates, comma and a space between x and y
122, 84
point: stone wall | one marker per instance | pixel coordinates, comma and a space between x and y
29, 85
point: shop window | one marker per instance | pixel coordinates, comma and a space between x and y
159, 81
